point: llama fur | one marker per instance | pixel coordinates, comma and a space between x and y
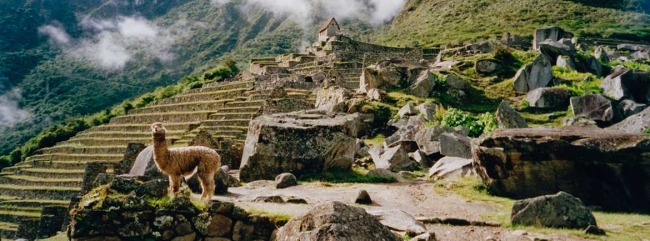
184, 162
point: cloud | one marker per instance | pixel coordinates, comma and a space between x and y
10, 112
376, 12
111, 43
56, 33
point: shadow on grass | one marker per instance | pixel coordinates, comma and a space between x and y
356, 175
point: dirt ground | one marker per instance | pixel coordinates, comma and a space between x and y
416, 198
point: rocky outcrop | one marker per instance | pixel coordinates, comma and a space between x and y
548, 98
507, 117
118, 214
335, 221
554, 211
300, 142
603, 168
535, 75
637, 123
626, 83
595, 107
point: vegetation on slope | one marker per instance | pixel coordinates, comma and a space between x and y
434, 22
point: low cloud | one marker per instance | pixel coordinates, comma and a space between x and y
10, 112
56, 34
112, 43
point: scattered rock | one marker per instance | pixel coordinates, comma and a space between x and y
299, 142
269, 199
584, 161
375, 94
400, 221
285, 180
549, 98
594, 230
428, 139
637, 123
423, 84
407, 175
535, 75
427, 111
455, 145
549, 33
332, 99
565, 62
596, 67
486, 66
519, 233
363, 198
629, 107
422, 158
430, 236
555, 49
555, 211
625, 83
601, 55
508, 118
396, 159
382, 173
579, 121
296, 200
455, 82
212, 225
335, 221
407, 110
451, 167
595, 107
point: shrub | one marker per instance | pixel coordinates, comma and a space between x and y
477, 125
647, 131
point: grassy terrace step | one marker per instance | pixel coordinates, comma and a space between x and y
248, 109
15, 216
15, 201
75, 157
233, 122
194, 116
223, 86
256, 97
125, 134
225, 132
51, 173
39, 181
231, 116
243, 128
251, 103
144, 127
185, 107
49, 164
194, 97
115, 141
39, 192
80, 149
8, 226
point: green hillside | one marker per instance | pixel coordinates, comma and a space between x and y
434, 22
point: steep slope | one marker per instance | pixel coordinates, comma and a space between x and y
433, 22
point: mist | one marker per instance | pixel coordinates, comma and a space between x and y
111, 43
10, 112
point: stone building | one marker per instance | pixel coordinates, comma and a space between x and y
329, 29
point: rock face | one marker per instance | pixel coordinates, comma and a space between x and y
535, 75
628, 84
637, 123
299, 142
507, 117
595, 107
548, 98
335, 221
554, 211
602, 168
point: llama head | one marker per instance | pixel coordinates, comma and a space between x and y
158, 128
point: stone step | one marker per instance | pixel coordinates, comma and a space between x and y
8, 230
76, 157
38, 181
116, 141
234, 115
15, 216
50, 164
39, 192
17, 202
205, 96
51, 173
223, 86
257, 97
125, 134
143, 127
247, 109
232, 132
162, 117
182, 107
79, 149
234, 122
234, 104
225, 128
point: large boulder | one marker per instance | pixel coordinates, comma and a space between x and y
595, 107
455, 145
395, 159
335, 221
554, 211
603, 168
451, 167
555, 49
298, 143
428, 139
629, 107
486, 66
626, 83
535, 75
638, 123
549, 98
456, 82
423, 84
565, 62
601, 55
332, 99
549, 33
507, 117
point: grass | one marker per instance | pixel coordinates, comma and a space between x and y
274, 216
38, 188
41, 179
378, 140
58, 237
355, 175
619, 226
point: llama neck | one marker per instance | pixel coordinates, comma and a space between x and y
161, 151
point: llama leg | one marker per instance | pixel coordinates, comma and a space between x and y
207, 184
174, 185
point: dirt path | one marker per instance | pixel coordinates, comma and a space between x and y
417, 198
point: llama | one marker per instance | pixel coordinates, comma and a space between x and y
185, 162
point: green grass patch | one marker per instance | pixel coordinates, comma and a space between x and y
377, 140
355, 175
619, 226
274, 216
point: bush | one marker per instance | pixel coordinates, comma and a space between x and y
477, 125
647, 131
